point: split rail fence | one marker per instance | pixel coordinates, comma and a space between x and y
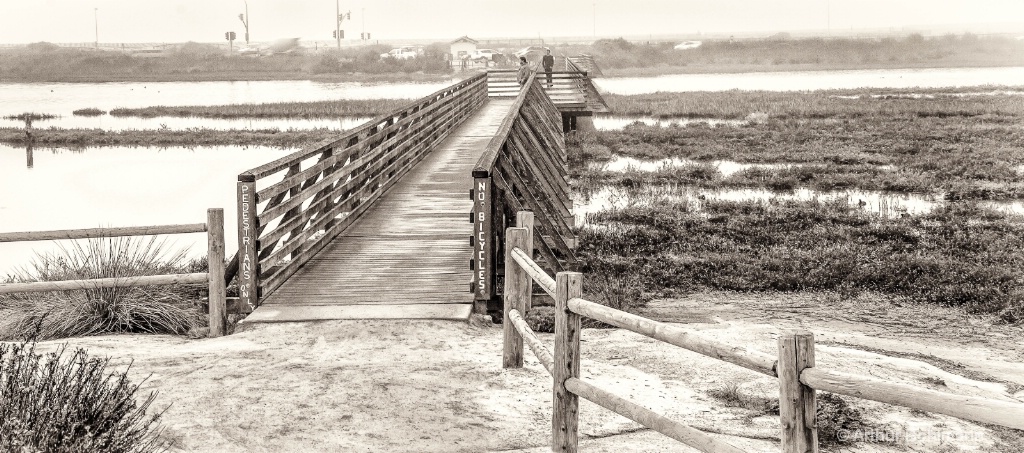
794, 365
214, 277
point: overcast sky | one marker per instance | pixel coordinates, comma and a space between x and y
23, 21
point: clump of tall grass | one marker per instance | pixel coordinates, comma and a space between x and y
58, 403
147, 309
91, 111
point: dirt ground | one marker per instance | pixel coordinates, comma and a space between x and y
435, 386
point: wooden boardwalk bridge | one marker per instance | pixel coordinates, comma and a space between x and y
403, 216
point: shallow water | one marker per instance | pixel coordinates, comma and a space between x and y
884, 204
726, 167
815, 80
115, 123
119, 186
64, 98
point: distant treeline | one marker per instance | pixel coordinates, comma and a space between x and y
192, 61
782, 52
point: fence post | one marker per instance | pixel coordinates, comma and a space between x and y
797, 407
524, 219
215, 263
517, 293
248, 250
565, 416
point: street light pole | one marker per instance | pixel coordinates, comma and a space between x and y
245, 22
96, 23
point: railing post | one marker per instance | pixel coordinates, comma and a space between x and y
797, 408
248, 247
517, 295
524, 219
215, 263
565, 416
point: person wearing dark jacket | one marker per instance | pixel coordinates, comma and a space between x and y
549, 63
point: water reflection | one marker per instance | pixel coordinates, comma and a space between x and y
28, 155
727, 167
888, 205
116, 123
815, 80
119, 186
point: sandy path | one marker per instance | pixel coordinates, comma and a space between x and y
433, 386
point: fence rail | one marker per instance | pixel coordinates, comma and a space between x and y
214, 227
282, 225
794, 365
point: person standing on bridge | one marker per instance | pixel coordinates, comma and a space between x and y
549, 63
524, 71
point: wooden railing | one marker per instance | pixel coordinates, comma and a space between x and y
523, 168
583, 62
214, 229
794, 366
326, 187
567, 90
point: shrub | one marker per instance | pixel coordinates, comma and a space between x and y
91, 111
57, 403
151, 309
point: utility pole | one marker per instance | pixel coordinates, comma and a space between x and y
363, 34
595, 20
96, 23
245, 21
337, 23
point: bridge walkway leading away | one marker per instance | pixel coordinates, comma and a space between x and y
406, 257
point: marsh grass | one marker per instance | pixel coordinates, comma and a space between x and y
71, 403
79, 138
969, 147
300, 110
146, 309
90, 111
957, 255
30, 116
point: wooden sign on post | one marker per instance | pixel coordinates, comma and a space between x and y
483, 247
248, 250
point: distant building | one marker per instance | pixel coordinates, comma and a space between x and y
462, 47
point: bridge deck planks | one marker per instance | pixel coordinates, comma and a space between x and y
412, 246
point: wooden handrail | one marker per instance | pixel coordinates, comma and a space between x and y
984, 410
87, 233
530, 338
97, 283
538, 275
646, 417
674, 335
314, 202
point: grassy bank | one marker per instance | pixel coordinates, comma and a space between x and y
968, 146
78, 138
299, 110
